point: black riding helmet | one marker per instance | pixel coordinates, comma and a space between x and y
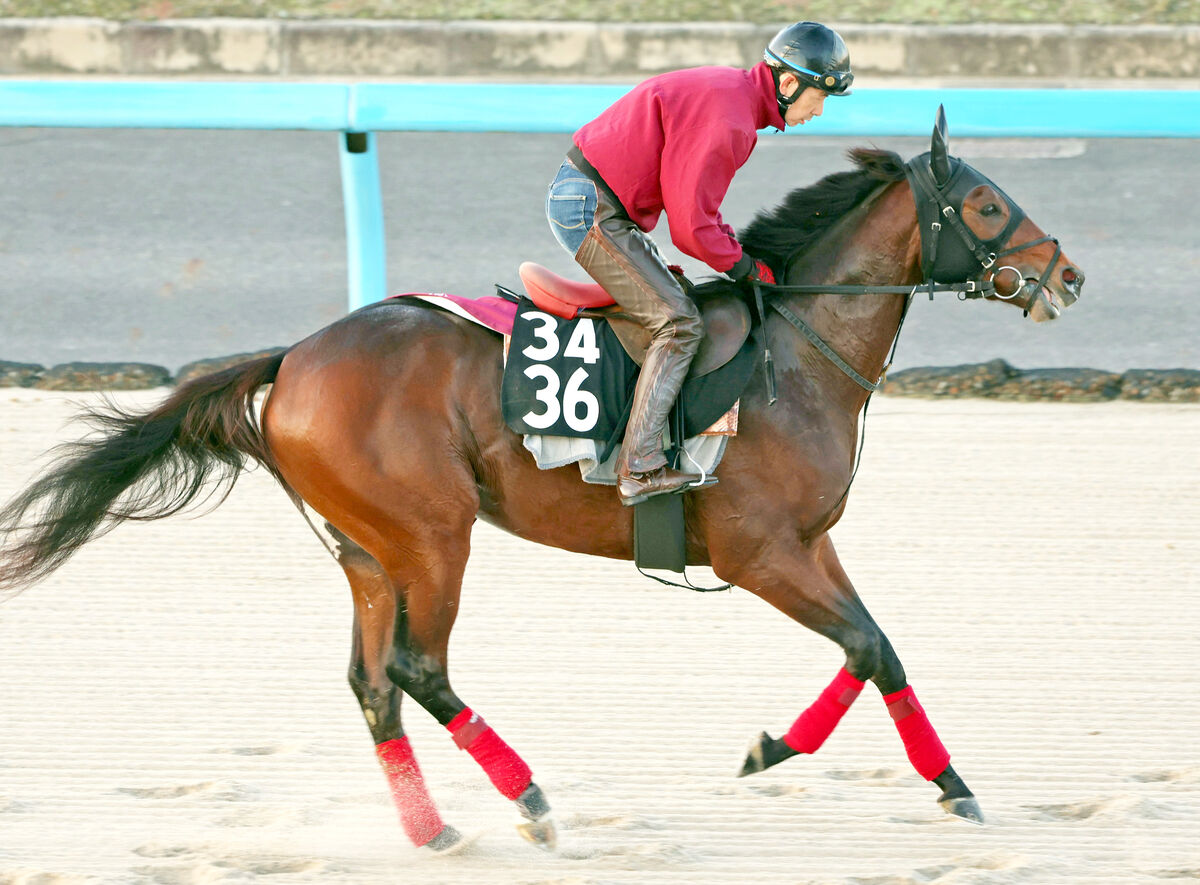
814, 54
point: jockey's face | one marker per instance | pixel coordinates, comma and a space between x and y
810, 103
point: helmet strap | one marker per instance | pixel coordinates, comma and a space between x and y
785, 101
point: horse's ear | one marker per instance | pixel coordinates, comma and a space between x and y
939, 159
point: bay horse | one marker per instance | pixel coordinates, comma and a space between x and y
387, 423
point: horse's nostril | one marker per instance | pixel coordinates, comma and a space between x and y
1069, 276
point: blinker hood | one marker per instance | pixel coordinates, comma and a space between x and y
955, 261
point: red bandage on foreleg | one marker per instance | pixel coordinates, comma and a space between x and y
418, 815
925, 749
504, 768
817, 722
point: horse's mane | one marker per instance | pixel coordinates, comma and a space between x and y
807, 213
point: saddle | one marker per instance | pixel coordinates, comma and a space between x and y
726, 318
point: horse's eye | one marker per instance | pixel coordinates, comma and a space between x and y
990, 209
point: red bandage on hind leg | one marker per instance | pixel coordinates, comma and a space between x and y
817, 722
418, 815
925, 749
504, 768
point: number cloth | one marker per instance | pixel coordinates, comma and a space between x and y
565, 377
572, 378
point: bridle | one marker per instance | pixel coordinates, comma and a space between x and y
951, 258
935, 203
956, 259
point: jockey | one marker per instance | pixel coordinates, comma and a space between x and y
673, 144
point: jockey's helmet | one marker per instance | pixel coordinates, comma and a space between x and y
815, 55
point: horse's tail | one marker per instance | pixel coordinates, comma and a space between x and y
137, 466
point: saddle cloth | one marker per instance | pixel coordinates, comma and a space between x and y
568, 385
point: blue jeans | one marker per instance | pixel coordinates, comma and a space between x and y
571, 206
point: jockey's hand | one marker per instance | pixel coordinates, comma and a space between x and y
762, 273
752, 270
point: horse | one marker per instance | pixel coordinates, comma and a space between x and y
387, 423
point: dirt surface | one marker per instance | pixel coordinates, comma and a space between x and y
174, 709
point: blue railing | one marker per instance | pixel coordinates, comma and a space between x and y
360, 110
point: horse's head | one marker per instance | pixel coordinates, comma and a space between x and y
970, 226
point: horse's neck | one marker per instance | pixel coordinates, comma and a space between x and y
876, 244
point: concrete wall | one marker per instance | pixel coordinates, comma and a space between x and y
578, 50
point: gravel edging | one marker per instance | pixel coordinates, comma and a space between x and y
996, 379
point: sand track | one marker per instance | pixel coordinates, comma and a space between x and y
173, 706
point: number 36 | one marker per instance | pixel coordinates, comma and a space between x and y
578, 407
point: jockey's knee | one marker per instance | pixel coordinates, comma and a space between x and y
682, 325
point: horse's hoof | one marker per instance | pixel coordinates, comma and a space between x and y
965, 808
764, 752
539, 828
448, 841
541, 833
756, 755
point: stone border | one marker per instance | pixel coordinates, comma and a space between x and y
359, 48
992, 380
999, 380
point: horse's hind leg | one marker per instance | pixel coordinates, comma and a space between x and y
418, 665
812, 588
422, 545
402, 629
376, 617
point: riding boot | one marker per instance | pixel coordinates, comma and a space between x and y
642, 470
620, 257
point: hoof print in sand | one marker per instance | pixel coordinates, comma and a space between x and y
959, 869
878, 776
607, 821
210, 864
1116, 806
263, 750
771, 791
1168, 776
218, 791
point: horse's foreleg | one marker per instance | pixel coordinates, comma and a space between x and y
375, 618
812, 588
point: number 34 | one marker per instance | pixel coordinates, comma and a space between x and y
578, 407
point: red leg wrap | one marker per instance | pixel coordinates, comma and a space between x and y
418, 815
504, 768
817, 722
925, 750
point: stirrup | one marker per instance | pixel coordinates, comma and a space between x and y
684, 482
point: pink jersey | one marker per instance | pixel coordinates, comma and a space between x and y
673, 144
